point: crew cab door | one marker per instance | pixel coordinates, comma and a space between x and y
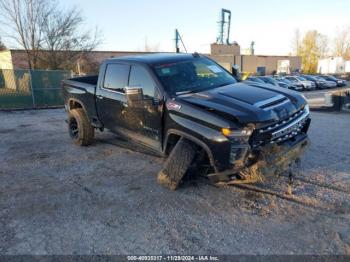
140, 123
149, 110
110, 97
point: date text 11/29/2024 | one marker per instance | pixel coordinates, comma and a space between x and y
173, 258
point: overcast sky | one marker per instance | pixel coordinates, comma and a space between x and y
270, 23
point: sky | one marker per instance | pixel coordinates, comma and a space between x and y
126, 25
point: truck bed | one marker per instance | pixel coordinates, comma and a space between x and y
82, 90
84, 81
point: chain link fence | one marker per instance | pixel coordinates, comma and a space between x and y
26, 89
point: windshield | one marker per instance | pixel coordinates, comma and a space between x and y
192, 76
285, 80
255, 79
301, 78
270, 80
310, 78
331, 78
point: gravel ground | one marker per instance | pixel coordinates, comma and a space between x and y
57, 198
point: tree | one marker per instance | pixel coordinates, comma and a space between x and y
313, 46
64, 41
24, 19
342, 43
296, 42
2, 46
323, 45
50, 37
150, 47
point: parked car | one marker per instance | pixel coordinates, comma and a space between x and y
255, 79
290, 84
328, 84
189, 108
307, 85
320, 82
269, 80
338, 81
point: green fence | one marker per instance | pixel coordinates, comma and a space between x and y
20, 89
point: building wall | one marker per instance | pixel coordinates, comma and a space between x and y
99, 56
347, 67
331, 65
19, 59
250, 63
227, 55
6, 60
216, 49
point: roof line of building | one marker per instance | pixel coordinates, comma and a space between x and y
97, 51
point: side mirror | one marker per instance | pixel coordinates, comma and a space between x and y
134, 95
236, 73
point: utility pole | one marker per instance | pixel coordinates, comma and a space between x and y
252, 51
178, 39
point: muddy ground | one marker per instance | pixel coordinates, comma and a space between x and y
57, 198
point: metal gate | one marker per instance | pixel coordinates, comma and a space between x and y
21, 89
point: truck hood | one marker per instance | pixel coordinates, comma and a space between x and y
248, 102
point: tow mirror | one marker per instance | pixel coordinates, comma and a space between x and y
134, 95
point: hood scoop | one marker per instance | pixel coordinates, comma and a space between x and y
271, 102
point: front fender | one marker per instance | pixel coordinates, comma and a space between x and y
216, 145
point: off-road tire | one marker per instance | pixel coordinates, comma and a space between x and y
84, 132
177, 164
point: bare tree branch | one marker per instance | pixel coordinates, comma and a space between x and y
51, 38
342, 43
2, 46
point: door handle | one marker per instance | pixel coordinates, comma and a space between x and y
100, 97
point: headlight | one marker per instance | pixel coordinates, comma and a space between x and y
246, 132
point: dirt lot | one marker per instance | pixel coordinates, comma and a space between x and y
57, 198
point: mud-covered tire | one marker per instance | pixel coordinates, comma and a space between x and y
177, 164
80, 128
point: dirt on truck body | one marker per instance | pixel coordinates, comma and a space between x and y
188, 108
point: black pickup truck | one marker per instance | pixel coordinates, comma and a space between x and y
189, 108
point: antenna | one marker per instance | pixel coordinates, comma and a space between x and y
178, 39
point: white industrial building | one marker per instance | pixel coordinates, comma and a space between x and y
333, 65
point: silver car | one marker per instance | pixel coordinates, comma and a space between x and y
308, 85
326, 83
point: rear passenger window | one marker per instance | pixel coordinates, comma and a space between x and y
116, 77
139, 76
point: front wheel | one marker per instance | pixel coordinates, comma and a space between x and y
177, 164
80, 128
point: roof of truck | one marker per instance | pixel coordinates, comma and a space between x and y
154, 59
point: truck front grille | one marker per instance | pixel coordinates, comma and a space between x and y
282, 130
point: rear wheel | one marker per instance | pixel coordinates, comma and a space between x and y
80, 128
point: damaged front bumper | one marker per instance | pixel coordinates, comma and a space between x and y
272, 160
